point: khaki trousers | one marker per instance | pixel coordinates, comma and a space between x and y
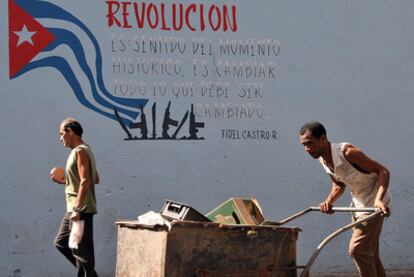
364, 247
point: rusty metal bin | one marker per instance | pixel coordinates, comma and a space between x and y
201, 249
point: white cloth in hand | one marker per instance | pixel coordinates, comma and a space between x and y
76, 233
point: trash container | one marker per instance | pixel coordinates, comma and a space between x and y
204, 249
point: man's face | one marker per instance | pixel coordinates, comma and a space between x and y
313, 146
65, 136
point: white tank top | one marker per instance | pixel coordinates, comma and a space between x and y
364, 187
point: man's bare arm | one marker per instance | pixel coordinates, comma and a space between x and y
97, 179
85, 182
337, 190
367, 165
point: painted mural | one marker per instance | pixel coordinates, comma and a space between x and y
216, 77
199, 101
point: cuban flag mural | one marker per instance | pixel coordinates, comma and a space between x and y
42, 34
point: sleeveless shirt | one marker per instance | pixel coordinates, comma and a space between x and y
73, 181
363, 186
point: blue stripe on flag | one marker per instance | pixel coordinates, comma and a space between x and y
63, 66
41, 9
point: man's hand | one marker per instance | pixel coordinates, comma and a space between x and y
57, 175
75, 216
61, 181
326, 207
384, 207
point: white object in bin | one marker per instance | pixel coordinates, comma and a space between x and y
152, 218
76, 233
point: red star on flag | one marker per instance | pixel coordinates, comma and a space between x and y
27, 37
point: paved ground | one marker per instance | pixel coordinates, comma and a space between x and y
389, 274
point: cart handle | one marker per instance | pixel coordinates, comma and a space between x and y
348, 209
377, 212
317, 209
373, 212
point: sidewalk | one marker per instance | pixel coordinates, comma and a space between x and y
352, 274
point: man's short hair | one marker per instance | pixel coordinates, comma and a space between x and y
75, 126
315, 128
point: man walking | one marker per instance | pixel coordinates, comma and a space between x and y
80, 179
368, 182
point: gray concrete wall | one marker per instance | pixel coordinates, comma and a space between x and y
348, 64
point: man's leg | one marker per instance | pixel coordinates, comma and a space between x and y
62, 239
378, 264
85, 255
364, 248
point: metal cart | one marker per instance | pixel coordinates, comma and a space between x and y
373, 213
207, 249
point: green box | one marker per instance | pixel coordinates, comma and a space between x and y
237, 211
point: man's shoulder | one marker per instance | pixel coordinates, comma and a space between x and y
340, 146
351, 151
343, 146
83, 148
84, 151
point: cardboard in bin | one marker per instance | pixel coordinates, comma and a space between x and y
180, 211
237, 211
